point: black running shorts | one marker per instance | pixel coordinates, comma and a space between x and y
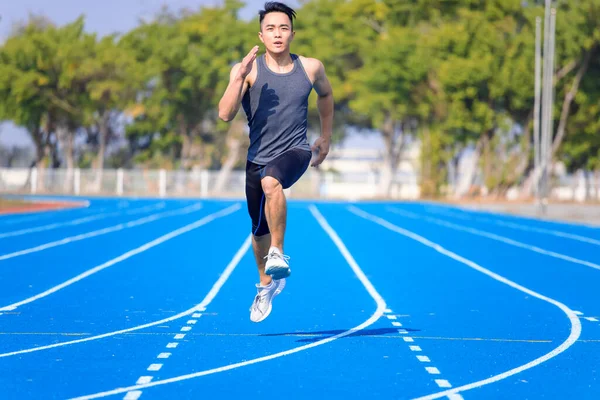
286, 168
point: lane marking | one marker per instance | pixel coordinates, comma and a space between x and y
103, 231
574, 334
506, 240
209, 297
78, 221
526, 228
144, 379
381, 306
125, 256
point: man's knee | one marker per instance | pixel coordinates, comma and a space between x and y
271, 186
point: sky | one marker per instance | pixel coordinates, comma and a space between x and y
103, 17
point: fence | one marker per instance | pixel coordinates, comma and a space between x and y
580, 187
195, 183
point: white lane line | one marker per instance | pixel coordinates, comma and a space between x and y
593, 319
196, 315
104, 231
408, 339
423, 358
443, 383
396, 323
144, 379
78, 221
574, 320
165, 355
133, 395
125, 256
186, 329
526, 228
391, 316
506, 240
155, 367
359, 273
209, 297
172, 345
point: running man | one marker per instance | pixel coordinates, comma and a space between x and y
273, 89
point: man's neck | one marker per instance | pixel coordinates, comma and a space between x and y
278, 61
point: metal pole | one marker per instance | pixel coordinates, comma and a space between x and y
550, 133
545, 111
536, 111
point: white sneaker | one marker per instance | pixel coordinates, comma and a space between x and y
262, 305
277, 265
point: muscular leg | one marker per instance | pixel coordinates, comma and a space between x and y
275, 210
261, 244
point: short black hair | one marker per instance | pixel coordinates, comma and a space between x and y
274, 6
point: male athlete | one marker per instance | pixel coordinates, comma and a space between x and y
273, 89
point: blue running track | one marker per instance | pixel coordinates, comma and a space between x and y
149, 298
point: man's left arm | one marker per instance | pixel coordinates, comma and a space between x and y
325, 105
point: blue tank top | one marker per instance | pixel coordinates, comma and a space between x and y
276, 107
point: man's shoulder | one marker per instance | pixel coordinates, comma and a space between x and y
310, 62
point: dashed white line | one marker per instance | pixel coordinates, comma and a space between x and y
395, 323
391, 316
443, 383
575, 328
155, 367
191, 322
164, 355
381, 306
171, 345
591, 319
180, 336
133, 395
186, 328
196, 315
143, 379
422, 358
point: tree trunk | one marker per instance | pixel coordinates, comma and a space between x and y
66, 138
234, 145
569, 97
393, 136
464, 185
102, 140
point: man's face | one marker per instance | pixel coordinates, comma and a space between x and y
276, 32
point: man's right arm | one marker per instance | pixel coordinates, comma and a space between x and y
238, 84
232, 98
